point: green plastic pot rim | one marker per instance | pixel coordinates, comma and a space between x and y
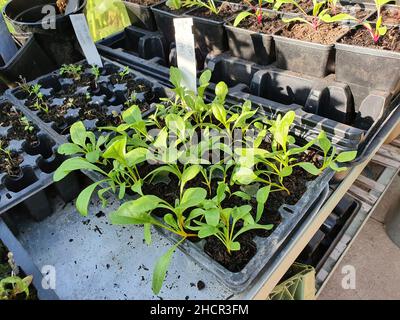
58, 17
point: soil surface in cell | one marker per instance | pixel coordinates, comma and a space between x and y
325, 34
180, 11
306, 5
234, 261
269, 25
20, 127
361, 37
227, 11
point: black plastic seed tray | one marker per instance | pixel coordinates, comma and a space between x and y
133, 41
350, 115
37, 161
267, 247
97, 104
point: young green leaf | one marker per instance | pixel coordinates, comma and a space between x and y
310, 168
240, 17
82, 202
161, 268
262, 197
346, 156
78, 133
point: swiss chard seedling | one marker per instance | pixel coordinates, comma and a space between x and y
223, 223
174, 4
28, 127
256, 11
319, 14
378, 30
209, 5
124, 73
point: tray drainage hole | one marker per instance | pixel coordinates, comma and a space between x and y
8, 196
288, 210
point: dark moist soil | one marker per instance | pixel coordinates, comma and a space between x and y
235, 261
144, 2
269, 25
11, 167
325, 34
361, 37
180, 11
85, 79
10, 117
56, 113
117, 79
228, 10
306, 5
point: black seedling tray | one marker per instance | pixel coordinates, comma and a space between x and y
312, 199
103, 105
137, 42
37, 165
351, 115
267, 247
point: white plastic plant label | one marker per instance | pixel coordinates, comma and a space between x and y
186, 57
72, 6
85, 40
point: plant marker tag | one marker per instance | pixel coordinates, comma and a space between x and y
71, 6
8, 47
186, 56
85, 40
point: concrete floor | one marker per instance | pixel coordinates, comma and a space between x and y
375, 257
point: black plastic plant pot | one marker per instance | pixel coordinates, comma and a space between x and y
210, 34
165, 20
135, 41
305, 57
31, 61
26, 16
373, 68
141, 15
251, 45
59, 43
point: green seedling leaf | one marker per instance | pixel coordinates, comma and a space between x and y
262, 197
147, 233
346, 156
116, 151
93, 156
193, 197
82, 202
212, 217
161, 268
240, 17
78, 133
74, 164
69, 149
309, 167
